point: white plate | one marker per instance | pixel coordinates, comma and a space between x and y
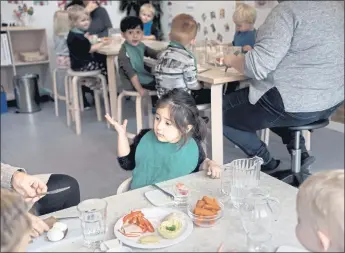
155, 215
158, 198
290, 249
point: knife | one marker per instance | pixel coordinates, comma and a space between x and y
164, 191
54, 191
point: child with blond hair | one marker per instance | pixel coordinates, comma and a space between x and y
146, 14
61, 29
15, 223
176, 67
244, 18
320, 209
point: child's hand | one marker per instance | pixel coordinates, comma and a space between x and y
228, 59
143, 92
120, 129
247, 48
212, 168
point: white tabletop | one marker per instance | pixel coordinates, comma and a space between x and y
229, 230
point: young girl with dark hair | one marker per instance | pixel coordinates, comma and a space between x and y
172, 148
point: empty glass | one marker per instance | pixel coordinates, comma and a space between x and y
259, 210
93, 213
239, 177
258, 241
115, 35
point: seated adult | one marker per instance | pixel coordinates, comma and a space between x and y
297, 71
32, 187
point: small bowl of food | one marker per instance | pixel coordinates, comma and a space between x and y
206, 212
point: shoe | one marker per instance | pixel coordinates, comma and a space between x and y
306, 161
87, 106
271, 167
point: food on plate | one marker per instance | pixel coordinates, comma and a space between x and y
182, 189
149, 239
134, 224
55, 235
61, 226
171, 226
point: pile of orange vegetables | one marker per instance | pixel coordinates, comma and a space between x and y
206, 208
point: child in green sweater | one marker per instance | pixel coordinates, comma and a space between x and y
172, 148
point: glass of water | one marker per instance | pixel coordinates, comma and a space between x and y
258, 241
115, 35
93, 213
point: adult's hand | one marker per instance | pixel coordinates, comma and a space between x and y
38, 226
30, 187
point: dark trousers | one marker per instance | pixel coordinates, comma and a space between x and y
242, 120
62, 200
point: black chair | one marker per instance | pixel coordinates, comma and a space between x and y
296, 176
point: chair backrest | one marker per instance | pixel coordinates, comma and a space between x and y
124, 186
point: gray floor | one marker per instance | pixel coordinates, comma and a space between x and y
42, 143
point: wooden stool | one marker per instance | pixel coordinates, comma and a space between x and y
74, 99
57, 96
138, 107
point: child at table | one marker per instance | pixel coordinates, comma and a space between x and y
146, 14
171, 149
15, 223
176, 66
244, 18
81, 50
132, 70
320, 209
61, 29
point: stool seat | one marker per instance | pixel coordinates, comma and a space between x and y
315, 125
83, 73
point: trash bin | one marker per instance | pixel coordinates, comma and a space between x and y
26, 93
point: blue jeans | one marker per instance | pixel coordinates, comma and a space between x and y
242, 119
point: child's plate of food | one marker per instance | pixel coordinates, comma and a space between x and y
153, 228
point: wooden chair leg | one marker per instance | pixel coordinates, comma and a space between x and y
81, 100
56, 102
98, 104
76, 107
105, 96
307, 137
119, 107
68, 100
139, 113
149, 112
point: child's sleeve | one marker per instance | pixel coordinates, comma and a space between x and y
149, 52
128, 162
202, 155
125, 64
190, 77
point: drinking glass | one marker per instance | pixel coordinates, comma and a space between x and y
258, 241
115, 35
245, 175
93, 213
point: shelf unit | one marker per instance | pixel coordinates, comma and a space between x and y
24, 39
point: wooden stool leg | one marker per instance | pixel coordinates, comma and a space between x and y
76, 105
68, 100
149, 112
98, 104
105, 96
307, 135
119, 107
139, 114
56, 102
81, 100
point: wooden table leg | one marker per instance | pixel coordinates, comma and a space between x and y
217, 123
112, 85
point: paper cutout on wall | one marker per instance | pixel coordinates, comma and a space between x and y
213, 15
213, 28
222, 13
37, 2
204, 17
227, 27
199, 27
219, 37
205, 31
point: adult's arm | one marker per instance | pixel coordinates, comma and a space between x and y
7, 172
272, 43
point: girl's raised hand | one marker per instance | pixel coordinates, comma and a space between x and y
120, 129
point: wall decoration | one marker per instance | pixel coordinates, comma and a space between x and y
227, 27
204, 17
213, 28
205, 31
41, 3
199, 27
213, 15
222, 13
23, 14
219, 37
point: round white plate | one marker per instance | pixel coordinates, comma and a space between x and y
155, 215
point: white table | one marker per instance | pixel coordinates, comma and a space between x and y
229, 230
